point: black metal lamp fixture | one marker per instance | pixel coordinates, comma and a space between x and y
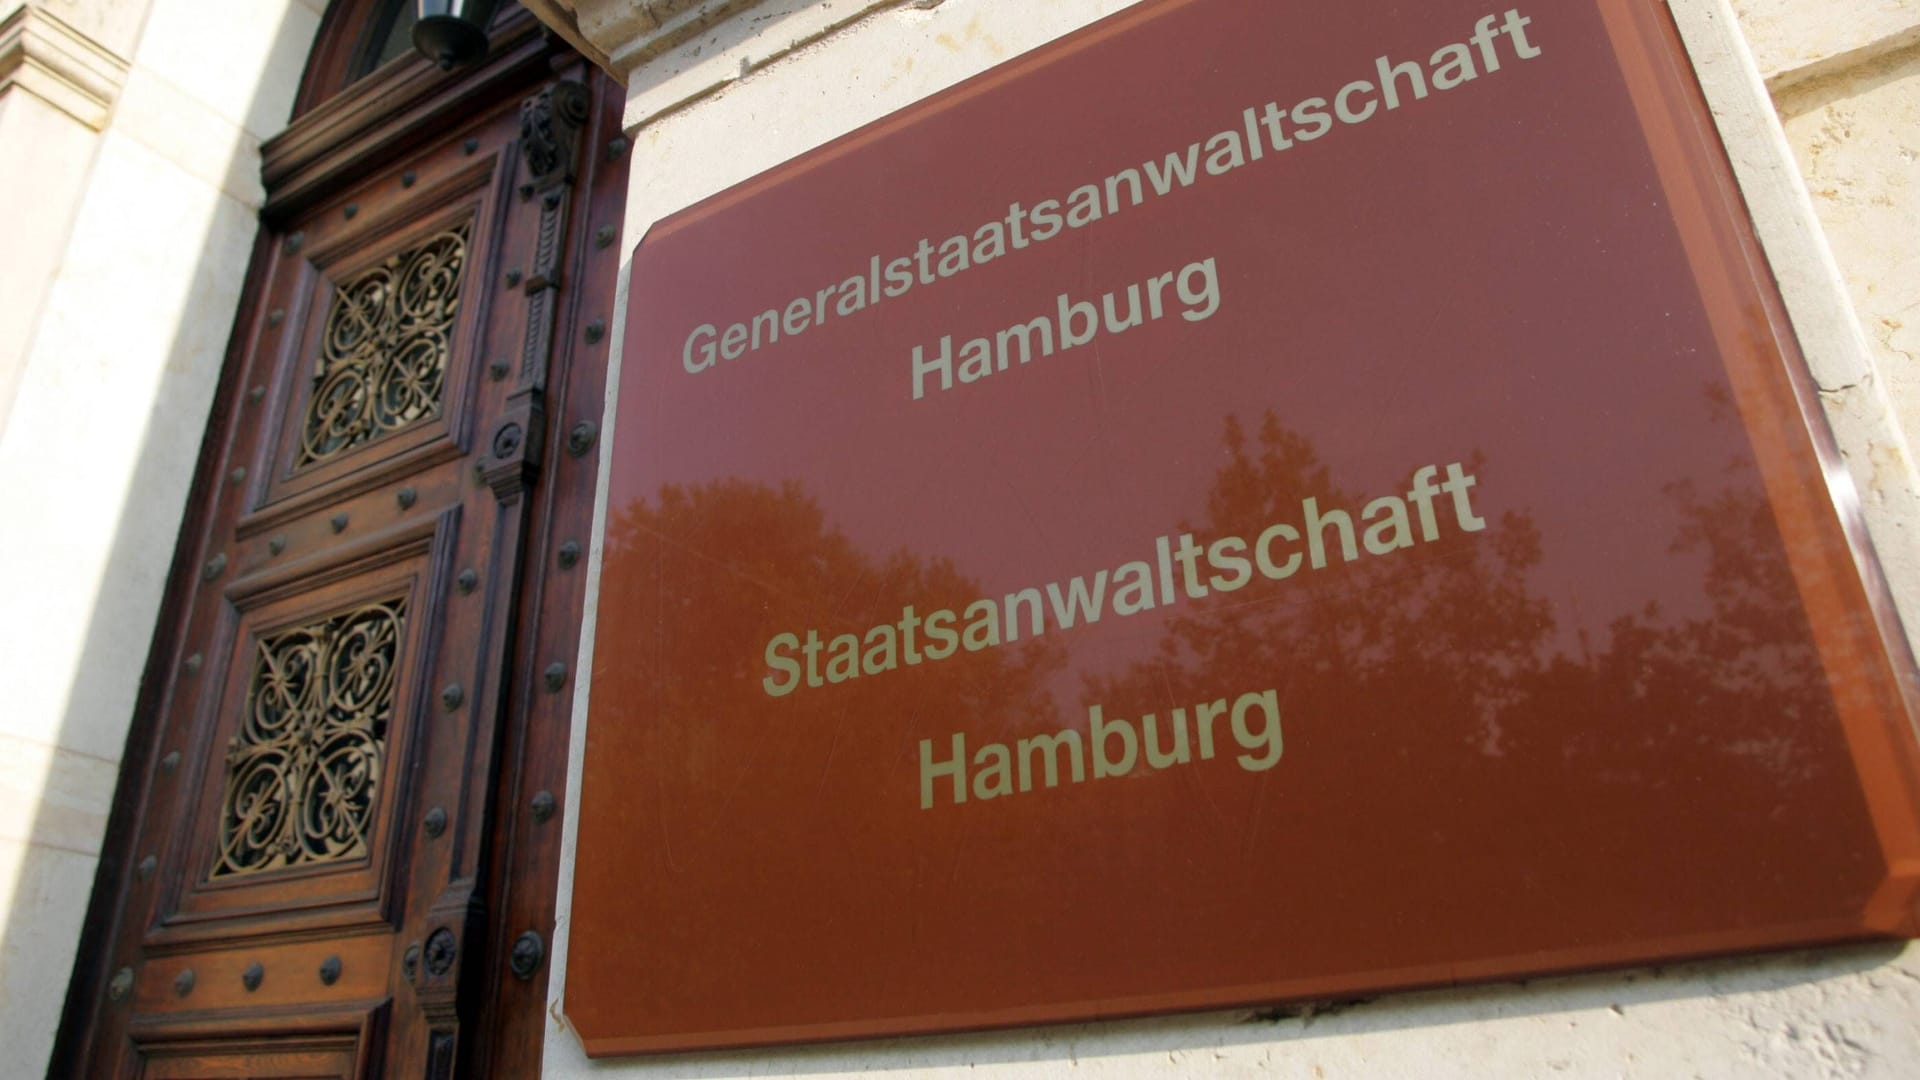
453, 32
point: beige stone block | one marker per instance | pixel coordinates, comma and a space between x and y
693, 54
115, 24
101, 446
53, 797
666, 73
1793, 39
41, 936
797, 83
635, 29
1856, 135
188, 133
40, 54
50, 180
240, 58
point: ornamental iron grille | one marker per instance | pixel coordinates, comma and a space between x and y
304, 768
383, 359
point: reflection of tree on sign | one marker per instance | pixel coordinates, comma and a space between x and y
779, 834
731, 564
1453, 617
1742, 680
1453, 783
1741, 683
1439, 744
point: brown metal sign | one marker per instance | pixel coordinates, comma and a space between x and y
1252, 501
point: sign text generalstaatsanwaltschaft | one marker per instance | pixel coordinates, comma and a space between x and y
1194, 287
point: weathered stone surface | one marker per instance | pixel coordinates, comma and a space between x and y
1794, 39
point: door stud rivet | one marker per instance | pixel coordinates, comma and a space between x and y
441, 952
528, 951
507, 440
580, 438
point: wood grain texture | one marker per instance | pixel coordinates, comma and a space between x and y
390, 960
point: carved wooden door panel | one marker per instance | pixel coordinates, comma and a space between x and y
326, 825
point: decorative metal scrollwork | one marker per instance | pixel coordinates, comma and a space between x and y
305, 766
383, 359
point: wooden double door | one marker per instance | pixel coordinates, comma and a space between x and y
335, 842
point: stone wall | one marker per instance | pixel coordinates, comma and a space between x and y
1853, 121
